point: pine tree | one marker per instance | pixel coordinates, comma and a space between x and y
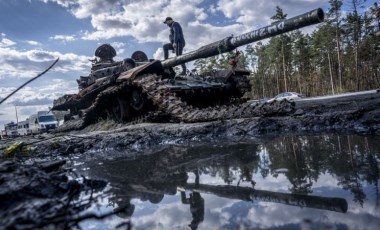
335, 21
284, 39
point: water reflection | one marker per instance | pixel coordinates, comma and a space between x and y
196, 202
351, 159
287, 182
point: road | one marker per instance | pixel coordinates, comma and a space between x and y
344, 95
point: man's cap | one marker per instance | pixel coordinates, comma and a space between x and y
167, 19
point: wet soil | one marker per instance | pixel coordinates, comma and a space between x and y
354, 114
28, 185
40, 195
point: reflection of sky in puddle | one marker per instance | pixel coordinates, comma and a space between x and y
231, 213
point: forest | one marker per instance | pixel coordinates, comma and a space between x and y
341, 55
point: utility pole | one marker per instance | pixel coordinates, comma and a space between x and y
16, 115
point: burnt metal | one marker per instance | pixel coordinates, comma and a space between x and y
137, 88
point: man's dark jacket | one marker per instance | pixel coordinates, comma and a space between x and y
176, 34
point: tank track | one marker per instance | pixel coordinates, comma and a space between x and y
169, 104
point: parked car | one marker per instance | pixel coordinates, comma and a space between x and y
290, 96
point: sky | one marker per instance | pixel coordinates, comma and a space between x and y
33, 33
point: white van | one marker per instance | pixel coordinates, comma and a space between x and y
11, 129
23, 128
42, 122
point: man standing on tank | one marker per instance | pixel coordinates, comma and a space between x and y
177, 40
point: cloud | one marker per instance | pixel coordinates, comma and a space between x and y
159, 54
19, 63
42, 101
139, 19
241, 12
41, 93
64, 3
118, 44
142, 20
65, 38
33, 43
120, 51
5, 42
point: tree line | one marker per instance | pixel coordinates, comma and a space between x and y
341, 55
352, 160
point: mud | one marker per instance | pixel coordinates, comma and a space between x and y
358, 114
355, 114
38, 191
40, 195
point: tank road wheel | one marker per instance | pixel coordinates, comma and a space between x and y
120, 109
137, 100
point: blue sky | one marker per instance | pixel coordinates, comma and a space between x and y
35, 32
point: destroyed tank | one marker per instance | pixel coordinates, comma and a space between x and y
141, 88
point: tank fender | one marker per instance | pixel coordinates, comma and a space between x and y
151, 67
226, 75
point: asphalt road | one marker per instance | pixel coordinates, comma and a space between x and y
344, 95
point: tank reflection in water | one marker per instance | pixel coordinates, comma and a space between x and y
306, 182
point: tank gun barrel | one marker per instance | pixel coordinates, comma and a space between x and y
249, 194
230, 43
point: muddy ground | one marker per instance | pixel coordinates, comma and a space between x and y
359, 114
36, 176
